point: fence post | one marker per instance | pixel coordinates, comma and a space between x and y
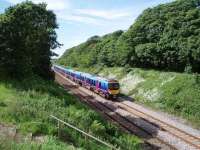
58, 129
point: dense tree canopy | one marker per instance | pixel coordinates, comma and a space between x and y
27, 35
164, 37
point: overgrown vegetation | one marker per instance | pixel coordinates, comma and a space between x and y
29, 103
27, 33
164, 37
51, 143
173, 92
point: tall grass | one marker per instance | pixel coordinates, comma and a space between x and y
29, 103
50, 143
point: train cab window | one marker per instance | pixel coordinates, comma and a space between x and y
113, 86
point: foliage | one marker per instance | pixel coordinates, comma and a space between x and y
27, 33
51, 143
29, 103
164, 37
96, 50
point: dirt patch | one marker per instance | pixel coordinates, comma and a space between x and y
7, 131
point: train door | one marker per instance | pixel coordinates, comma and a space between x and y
97, 85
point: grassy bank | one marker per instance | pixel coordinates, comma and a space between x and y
176, 93
51, 143
28, 104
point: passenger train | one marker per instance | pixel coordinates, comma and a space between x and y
108, 88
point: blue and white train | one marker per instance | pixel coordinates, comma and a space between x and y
109, 89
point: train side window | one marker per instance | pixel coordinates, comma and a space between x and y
92, 82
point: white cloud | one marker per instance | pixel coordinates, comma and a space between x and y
79, 18
89, 16
51, 4
104, 14
93, 16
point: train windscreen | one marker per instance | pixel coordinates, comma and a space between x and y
113, 86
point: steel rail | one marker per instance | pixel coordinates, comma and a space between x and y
187, 137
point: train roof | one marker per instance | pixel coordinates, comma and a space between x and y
106, 80
86, 74
101, 79
58, 66
90, 76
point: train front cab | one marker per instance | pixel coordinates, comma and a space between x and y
108, 89
113, 89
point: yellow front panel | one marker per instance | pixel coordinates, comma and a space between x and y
114, 92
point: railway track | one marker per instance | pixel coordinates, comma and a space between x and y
123, 122
188, 138
115, 111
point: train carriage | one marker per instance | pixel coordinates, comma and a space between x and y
108, 88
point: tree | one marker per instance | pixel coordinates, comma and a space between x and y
27, 37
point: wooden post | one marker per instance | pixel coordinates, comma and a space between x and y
58, 129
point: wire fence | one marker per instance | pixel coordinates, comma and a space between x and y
82, 132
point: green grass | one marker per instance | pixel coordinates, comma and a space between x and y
176, 93
50, 143
28, 104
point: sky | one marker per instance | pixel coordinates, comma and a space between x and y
80, 19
